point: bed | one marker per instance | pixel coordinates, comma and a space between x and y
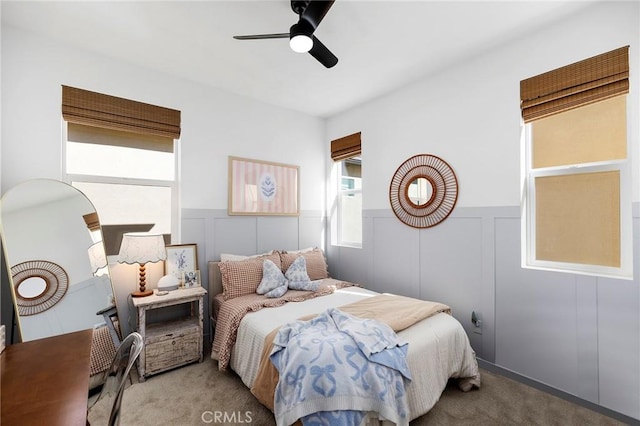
438, 347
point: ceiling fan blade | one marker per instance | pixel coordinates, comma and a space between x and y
261, 36
322, 54
315, 11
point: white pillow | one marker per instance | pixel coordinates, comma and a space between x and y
235, 257
304, 250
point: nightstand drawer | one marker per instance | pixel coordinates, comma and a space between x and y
172, 349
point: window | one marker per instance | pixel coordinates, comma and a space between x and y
129, 174
348, 165
577, 179
350, 202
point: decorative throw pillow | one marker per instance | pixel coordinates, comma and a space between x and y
316, 262
278, 291
272, 278
243, 277
298, 278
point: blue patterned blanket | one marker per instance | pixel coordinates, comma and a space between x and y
336, 367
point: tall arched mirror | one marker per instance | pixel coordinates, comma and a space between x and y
55, 258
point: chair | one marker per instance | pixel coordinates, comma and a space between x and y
115, 378
110, 316
102, 352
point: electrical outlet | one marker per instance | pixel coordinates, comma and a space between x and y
476, 319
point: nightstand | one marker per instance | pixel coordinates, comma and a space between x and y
170, 344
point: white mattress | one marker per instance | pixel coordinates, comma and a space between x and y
438, 346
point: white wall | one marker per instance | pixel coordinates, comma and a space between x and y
469, 114
215, 123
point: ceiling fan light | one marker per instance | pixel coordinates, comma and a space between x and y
301, 43
300, 37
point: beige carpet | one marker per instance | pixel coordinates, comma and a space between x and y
199, 394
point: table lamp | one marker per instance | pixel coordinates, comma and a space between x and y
97, 258
142, 248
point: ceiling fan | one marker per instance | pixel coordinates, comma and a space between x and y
301, 38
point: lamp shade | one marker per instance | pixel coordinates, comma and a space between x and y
141, 248
97, 257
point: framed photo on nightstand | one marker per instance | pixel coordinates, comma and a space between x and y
181, 258
191, 279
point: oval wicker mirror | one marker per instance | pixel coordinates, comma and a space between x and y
423, 191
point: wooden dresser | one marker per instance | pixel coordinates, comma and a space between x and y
46, 381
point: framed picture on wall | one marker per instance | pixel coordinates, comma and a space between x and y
263, 188
181, 258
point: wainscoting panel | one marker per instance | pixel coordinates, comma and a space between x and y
396, 258
235, 235
451, 270
579, 334
536, 316
276, 233
353, 264
618, 311
196, 229
195, 225
311, 230
587, 337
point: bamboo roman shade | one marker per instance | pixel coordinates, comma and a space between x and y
91, 219
591, 80
346, 147
96, 109
103, 136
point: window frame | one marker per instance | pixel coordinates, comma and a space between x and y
173, 185
528, 211
345, 192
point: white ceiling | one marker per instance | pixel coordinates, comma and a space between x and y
381, 45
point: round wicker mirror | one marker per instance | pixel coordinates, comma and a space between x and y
39, 285
423, 191
420, 191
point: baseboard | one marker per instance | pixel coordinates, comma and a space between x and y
556, 392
